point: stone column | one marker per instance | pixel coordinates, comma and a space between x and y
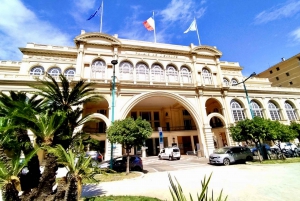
208, 140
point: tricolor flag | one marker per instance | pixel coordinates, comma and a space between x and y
149, 24
94, 14
192, 27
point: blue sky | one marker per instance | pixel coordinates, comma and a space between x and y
255, 33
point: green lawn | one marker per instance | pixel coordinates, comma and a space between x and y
121, 198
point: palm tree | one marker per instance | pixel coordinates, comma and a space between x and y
44, 127
78, 169
20, 101
9, 180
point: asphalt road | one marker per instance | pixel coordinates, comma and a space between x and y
241, 182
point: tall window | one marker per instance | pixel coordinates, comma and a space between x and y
226, 81
274, 111
185, 75
257, 111
234, 82
157, 73
70, 73
237, 111
54, 72
98, 69
126, 71
172, 74
38, 70
142, 72
207, 79
290, 111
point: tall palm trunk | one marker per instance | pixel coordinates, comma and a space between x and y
47, 180
33, 165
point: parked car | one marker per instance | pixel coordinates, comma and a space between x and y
254, 150
169, 153
95, 155
120, 163
232, 154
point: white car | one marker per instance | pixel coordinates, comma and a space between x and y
169, 153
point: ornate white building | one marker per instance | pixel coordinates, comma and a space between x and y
186, 90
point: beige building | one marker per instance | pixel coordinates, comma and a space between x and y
285, 73
185, 90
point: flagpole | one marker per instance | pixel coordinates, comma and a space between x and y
101, 17
154, 28
197, 31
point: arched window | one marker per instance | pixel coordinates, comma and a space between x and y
234, 82
237, 111
142, 72
157, 73
185, 75
70, 73
290, 111
257, 111
54, 72
98, 69
226, 81
38, 70
207, 79
274, 111
172, 74
126, 71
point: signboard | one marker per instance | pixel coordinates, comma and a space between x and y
161, 138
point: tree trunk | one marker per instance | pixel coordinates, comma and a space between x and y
47, 180
72, 190
127, 164
10, 193
61, 189
33, 165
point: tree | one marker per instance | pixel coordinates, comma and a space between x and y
78, 169
129, 133
296, 127
21, 101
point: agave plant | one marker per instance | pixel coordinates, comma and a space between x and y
178, 195
9, 181
78, 169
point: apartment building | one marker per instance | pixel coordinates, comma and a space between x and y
285, 73
188, 91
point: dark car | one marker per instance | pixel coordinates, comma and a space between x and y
119, 163
263, 146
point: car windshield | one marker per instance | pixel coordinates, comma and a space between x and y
221, 150
175, 150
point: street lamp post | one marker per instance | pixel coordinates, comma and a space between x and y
113, 62
250, 107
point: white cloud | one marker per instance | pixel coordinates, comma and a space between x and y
280, 11
296, 35
18, 28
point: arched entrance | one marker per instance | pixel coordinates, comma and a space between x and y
178, 118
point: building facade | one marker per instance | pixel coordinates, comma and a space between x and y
186, 90
285, 73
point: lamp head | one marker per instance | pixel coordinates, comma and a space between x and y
114, 62
253, 74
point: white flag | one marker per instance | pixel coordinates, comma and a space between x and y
192, 27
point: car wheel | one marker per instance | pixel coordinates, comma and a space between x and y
178, 158
137, 168
159, 157
249, 158
226, 161
170, 158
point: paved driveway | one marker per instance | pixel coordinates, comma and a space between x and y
240, 182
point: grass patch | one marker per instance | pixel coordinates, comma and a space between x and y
278, 161
121, 198
107, 177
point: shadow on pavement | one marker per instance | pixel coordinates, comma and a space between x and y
90, 190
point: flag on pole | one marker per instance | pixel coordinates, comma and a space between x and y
94, 14
149, 24
192, 27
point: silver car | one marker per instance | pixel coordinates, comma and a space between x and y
227, 155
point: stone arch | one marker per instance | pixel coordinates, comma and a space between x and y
215, 114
